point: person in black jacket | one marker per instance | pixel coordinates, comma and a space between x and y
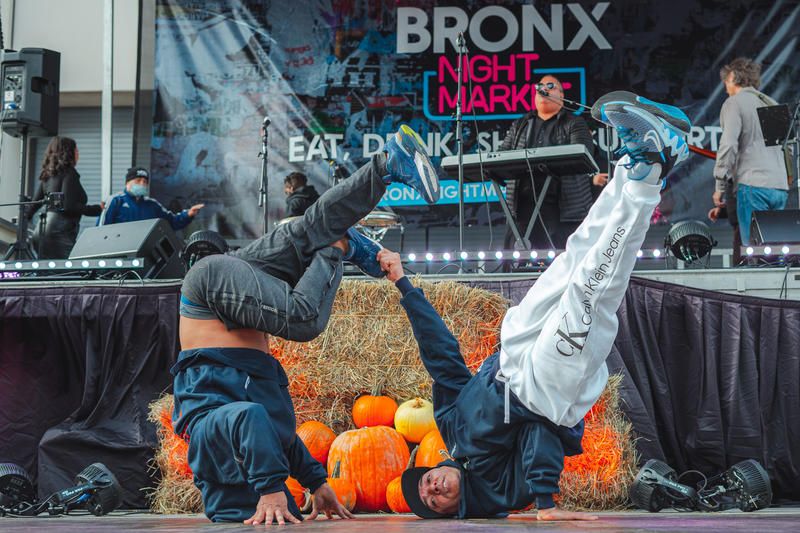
567, 200
59, 175
299, 195
508, 428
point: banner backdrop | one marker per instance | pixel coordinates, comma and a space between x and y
336, 77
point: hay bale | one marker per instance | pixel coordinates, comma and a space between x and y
598, 479
175, 492
369, 346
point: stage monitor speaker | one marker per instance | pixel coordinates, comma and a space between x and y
775, 227
151, 239
30, 92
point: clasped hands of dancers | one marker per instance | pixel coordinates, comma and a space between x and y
507, 428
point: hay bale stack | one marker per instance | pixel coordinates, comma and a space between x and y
175, 492
368, 346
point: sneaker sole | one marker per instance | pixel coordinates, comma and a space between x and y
672, 115
427, 174
656, 130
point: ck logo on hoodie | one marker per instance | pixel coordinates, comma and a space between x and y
570, 342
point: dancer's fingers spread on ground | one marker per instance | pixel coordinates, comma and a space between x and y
257, 518
344, 513
290, 517
314, 514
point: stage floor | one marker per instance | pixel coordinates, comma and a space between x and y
773, 520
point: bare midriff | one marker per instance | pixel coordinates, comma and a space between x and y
196, 333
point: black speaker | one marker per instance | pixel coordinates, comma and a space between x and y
30, 85
775, 227
151, 239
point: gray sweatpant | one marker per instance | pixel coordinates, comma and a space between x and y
285, 282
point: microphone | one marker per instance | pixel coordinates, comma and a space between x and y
266, 122
460, 43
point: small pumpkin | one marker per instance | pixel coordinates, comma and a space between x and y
432, 449
318, 438
344, 488
301, 495
372, 410
370, 458
414, 419
394, 497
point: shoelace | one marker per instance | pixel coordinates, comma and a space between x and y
627, 135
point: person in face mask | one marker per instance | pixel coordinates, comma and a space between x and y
134, 204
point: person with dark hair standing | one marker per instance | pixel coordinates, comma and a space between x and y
59, 175
755, 173
568, 199
299, 194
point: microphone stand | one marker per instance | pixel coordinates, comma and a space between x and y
796, 148
263, 190
460, 142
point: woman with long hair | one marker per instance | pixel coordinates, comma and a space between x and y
59, 175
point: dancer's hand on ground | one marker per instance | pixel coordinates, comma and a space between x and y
391, 264
272, 507
554, 513
325, 501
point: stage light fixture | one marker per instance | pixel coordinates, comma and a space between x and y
18, 265
534, 254
51, 264
767, 250
96, 489
201, 244
85, 264
551, 254
101, 263
429, 257
656, 253
481, 256
785, 250
749, 250
446, 256
515, 254
464, 256
689, 240
2, 266
412, 257
498, 254
745, 485
640, 254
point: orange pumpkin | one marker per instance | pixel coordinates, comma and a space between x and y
372, 410
370, 458
432, 449
318, 438
300, 494
414, 419
344, 488
394, 497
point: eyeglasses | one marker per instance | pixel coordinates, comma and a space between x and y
548, 85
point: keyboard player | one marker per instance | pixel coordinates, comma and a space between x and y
568, 199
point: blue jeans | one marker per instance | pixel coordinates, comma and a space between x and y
285, 282
749, 199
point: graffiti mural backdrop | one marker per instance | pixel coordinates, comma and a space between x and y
336, 77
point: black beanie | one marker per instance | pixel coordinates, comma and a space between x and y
136, 172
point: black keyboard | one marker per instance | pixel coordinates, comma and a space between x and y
565, 160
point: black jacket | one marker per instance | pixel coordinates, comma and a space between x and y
68, 182
300, 200
508, 459
574, 192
